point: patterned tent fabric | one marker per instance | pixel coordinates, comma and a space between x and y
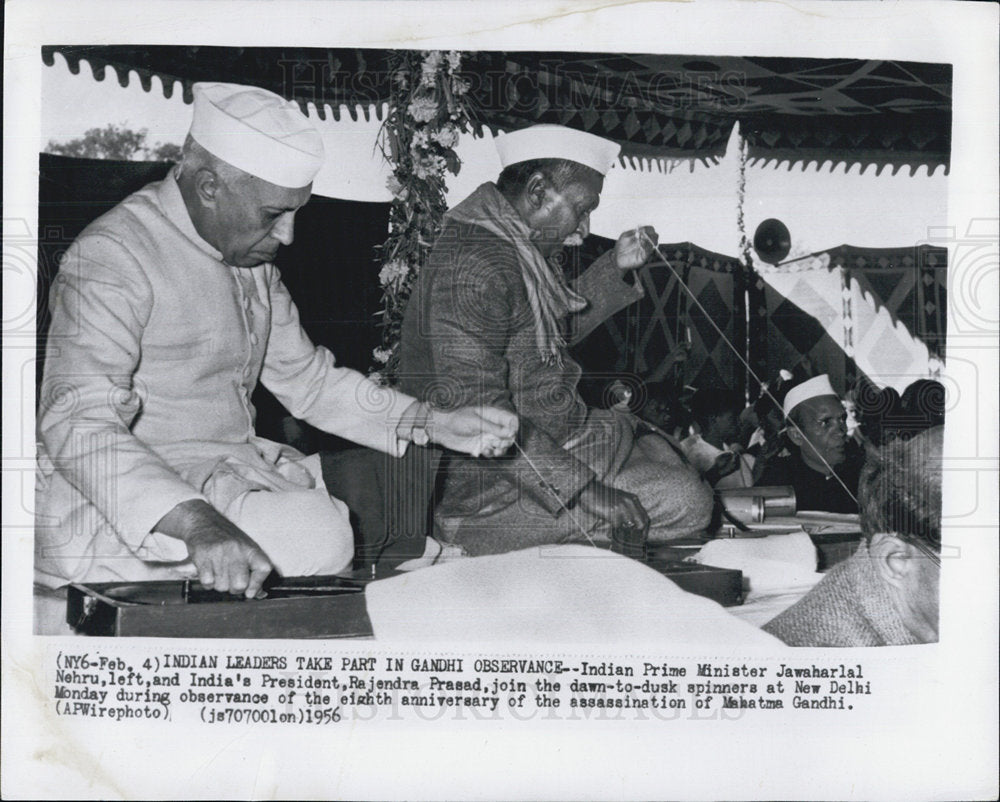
324, 77
643, 341
849, 312
804, 320
910, 283
851, 111
653, 108
877, 312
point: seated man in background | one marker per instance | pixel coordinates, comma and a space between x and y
166, 313
823, 465
485, 325
715, 449
886, 594
664, 409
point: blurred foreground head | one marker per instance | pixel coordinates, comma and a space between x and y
900, 506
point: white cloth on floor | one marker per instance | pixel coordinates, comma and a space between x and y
548, 595
771, 564
778, 570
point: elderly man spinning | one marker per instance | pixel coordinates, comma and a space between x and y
166, 312
485, 325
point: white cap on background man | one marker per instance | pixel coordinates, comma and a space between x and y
812, 388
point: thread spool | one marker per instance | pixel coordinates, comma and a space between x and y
746, 509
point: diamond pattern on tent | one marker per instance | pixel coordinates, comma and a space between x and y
782, 331
889, 356
901, 111
631, 124
802, 331
610, 120
718, 311
645, 337
909, 283
826, 309
651, 128
882, 281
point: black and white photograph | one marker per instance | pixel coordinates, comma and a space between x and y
540, 403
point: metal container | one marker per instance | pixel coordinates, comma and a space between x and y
778, 500
746, 509
780, 504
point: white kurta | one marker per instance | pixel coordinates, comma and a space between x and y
155, 347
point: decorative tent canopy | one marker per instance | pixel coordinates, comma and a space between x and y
793, 110
722, 310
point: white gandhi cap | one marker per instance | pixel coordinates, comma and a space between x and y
257, 132
557, 142
813, 388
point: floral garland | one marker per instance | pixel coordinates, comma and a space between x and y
741, 196
428, 110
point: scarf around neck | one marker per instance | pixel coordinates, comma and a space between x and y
549, 296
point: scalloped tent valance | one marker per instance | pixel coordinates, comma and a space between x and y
661, 108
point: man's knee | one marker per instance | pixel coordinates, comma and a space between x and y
325, 554
324, 542
698, 498
303, 533
678, 502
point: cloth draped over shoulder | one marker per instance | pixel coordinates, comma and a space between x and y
548, 294
470, 335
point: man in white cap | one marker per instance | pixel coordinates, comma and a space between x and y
166, 312
822, 466
485, 325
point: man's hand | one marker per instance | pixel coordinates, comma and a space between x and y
726, 463
226, 557
634, 247
614, 506
479, 431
